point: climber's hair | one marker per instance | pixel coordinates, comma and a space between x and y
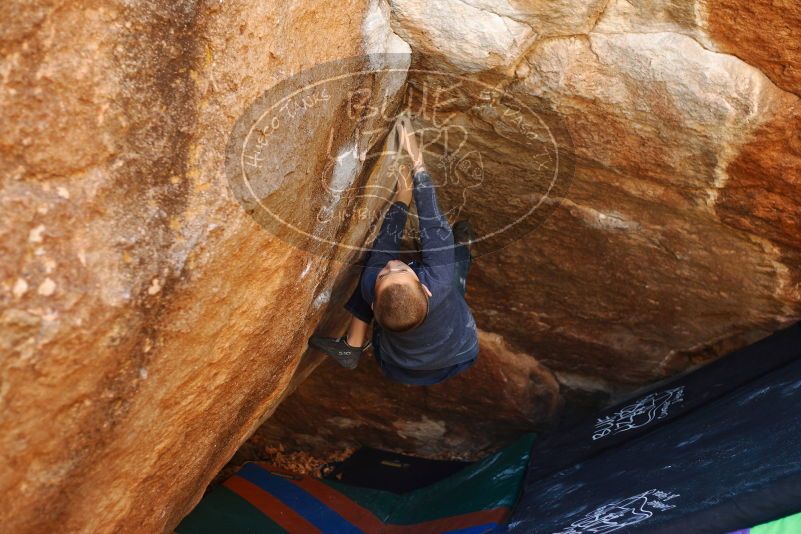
401, 307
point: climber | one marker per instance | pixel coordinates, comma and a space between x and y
424, 332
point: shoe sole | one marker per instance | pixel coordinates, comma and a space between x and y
347, 362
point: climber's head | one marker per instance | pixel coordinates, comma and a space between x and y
401, 300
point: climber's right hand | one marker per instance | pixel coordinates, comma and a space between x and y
405, 185
409, 142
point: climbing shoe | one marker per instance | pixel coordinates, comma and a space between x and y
463, 233
338, 348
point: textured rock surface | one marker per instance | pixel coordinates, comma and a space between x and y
148, 325
504, 394
678, 238
657, 124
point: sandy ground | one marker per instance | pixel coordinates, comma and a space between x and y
257, 449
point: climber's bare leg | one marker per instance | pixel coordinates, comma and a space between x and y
357, 332
347, 349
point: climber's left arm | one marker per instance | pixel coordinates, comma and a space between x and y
387, 245
436, 240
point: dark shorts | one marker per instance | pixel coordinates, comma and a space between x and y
361, 309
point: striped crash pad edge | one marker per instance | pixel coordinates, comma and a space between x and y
261, 498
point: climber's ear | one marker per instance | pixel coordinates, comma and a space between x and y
428, 291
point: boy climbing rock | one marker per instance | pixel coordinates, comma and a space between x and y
423, 330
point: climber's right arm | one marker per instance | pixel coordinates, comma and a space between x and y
404, 186
436, 237
385, 247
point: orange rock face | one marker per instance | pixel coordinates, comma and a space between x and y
149, 324
672, 235
502, 395
764, 33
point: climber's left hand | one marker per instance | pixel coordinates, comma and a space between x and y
405, 185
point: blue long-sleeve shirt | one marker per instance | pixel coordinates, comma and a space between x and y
447, 337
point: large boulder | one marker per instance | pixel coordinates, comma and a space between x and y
673, 235
148, 323
501, 396
154, 317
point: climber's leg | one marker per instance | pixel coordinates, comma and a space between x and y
463, 237
358, 307
347, 349
461, 267
362, 317
357, 333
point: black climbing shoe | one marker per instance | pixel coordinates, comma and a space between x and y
338, 348
463, 233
